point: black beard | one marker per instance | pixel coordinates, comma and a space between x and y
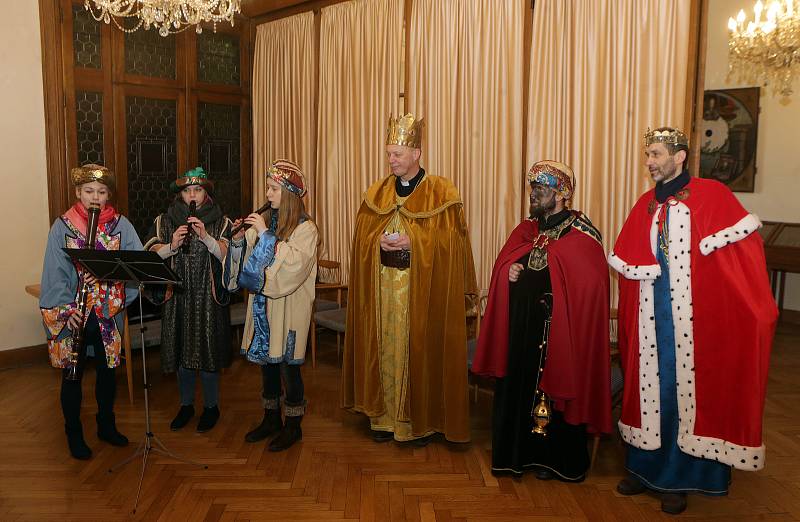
540, 210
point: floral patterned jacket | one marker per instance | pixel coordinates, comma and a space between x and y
60, 283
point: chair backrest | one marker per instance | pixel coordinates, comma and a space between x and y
329, 271
478, 309
612, 324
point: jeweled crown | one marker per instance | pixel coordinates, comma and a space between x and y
405, 130
666, 135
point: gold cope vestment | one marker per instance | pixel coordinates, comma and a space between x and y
441, 276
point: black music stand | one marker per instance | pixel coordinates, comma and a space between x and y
139, 267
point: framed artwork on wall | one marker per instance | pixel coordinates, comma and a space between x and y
728, 137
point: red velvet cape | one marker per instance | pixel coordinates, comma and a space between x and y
724, 319
576, 374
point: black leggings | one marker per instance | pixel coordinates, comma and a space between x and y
105, 386
271, 381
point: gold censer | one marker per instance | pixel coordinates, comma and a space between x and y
542, 413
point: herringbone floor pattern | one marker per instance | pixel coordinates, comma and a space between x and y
336, 472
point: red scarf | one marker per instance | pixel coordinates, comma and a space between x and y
79, 217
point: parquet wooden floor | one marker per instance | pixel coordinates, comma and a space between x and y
337, 473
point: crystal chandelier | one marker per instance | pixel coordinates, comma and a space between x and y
767, 49
168, 16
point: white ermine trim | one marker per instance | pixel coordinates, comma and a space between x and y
745, 458
647, 437
635, 272
680, 286
746, 226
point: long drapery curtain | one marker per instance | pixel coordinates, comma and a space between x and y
284, 87
465, 78
601, 73
360, 79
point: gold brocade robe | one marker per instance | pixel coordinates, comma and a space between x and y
442, 275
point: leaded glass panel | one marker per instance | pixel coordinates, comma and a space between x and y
152, 137
218, 58
219, 152
89, 126
86, 39
149, 54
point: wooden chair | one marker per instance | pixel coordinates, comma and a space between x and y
326, 313
126, 352
131, 339
616, 375
476, 312
238, 313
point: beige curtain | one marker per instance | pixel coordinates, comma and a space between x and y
601, 73
465, 78
284, 87
359, 87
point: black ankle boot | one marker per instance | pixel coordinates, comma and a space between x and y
270, 425
290, 434
77, 446
673, 503
183, 417
208, 419
107, 430
630, 485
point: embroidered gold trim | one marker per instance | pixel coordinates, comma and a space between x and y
537, 260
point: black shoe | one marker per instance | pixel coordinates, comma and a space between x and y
270, 425
290, 434
381, 436
77, 446
208, 419
630, 486
183, 417
544, 474
673, 503
107, 431
422, 441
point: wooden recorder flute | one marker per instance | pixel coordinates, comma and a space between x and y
260, 210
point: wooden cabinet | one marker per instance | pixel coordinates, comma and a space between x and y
782, 249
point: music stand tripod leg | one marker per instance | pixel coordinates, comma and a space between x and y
146, 446
139, 450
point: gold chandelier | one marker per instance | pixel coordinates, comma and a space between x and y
767, 49
168, 16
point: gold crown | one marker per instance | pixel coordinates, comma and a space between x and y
405, 131
91, 172
666, 135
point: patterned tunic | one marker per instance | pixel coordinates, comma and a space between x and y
195, 323
59, 286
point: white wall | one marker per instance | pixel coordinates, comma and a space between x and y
23, 179
777, 187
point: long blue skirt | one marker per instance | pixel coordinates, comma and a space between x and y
668, 469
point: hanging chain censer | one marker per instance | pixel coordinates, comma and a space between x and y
542, 412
